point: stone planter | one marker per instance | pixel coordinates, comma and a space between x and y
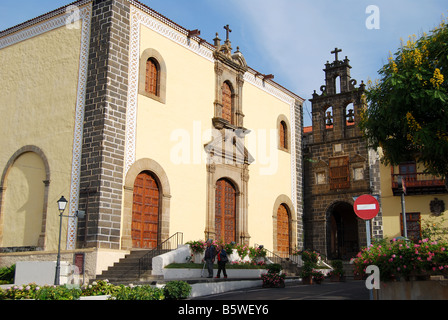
197, 257
413, 290
307, 280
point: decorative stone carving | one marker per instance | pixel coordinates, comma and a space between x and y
437, 207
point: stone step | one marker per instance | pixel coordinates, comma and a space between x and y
126, 270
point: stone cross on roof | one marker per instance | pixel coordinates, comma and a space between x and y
227, 27
335, 52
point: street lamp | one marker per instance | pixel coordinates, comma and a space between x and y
62, 204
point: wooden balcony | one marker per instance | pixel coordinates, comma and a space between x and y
419, 183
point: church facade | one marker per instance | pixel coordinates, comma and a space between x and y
338, 167
148, 129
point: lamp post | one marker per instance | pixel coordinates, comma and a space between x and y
62, 204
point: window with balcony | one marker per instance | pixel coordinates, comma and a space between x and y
416, 180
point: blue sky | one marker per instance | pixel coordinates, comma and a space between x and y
291, 39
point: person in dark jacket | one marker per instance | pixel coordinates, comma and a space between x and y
222, 260
209, 257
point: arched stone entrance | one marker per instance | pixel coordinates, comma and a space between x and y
342, 231
160, 177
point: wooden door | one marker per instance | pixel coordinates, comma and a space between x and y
145, 212
225, 211
283, 237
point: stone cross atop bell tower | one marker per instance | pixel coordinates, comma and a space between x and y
337, 110
338, 79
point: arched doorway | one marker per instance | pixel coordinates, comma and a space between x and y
283, 231
145, 211
225, 211
342, 231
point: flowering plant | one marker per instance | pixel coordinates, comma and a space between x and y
338, 268
242, 250
274, 278
310, 256
197, 246
19, 292
99, 288
257, 252
401, 258
317, 275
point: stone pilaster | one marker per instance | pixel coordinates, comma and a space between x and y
103, 150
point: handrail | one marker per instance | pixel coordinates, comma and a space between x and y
145, 262
274, 257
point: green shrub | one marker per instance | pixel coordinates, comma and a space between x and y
177, 290
274, 268
20, 292
99, 288
58, 293
7, 274
137, 293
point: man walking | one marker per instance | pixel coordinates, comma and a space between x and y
209, 257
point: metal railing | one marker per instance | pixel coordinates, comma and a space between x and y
273, 257
173, 242
419, 183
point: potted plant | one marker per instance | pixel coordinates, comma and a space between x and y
257, 254
274, 278
318, 276
307, 273
197, 250
337, 274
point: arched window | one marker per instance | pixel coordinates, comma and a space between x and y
152, 83
227, 105
350, 115
329, 121
337, 84
283, 135
152, 76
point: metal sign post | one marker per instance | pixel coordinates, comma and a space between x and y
367, 207
402, 186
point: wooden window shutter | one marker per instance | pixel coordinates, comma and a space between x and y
227, 112
283, 135
152, 77
339, 173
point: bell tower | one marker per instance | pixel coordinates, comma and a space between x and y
338, 167
337, 110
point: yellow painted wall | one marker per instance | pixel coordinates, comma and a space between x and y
270, 175
39, 81
391, 205
188, 113
186, 116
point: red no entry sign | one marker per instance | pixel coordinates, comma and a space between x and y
366, 207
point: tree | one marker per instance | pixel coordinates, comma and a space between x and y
408, 107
